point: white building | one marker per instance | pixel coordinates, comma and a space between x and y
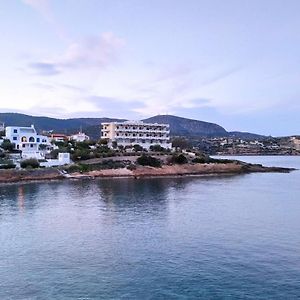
28, 141
79, 137
62, 159
58, 137
130, 133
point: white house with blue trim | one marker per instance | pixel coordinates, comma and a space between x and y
28, 141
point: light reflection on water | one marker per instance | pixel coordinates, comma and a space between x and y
230, 237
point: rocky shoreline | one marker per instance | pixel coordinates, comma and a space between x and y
10, 176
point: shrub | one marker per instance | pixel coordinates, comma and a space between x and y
138, 148
147, 160
180, 142
199, 160
178, 159
220, 161
7, 145
81, 154
157, 148
73, 168
30, 163
131, 167
8, 166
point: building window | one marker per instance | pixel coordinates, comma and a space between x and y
31, 145
37, 140
24, 139
23, 145
15, 130
15, 138
31, 139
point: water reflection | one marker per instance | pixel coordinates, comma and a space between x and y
155, 238
17, 198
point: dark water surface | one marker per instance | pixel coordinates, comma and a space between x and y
232, 237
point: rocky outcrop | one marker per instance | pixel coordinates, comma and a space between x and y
7, 176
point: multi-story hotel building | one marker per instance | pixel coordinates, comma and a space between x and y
131, 133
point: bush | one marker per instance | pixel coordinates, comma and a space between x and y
138, 148
180, 142
199, 160
178, 159
30, 163
147, 160
131, 167
8, 166
80, 154
157, 148
7, 145
220, 161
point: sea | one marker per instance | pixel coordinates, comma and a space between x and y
205, 237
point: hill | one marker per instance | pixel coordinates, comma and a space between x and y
178, 126
188, 127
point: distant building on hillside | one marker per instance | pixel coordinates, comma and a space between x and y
296, 142
58, 137
79, 137
28, 141
130, 133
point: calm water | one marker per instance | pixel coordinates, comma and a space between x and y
233, 237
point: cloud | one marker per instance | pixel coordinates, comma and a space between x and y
44, 69
89, 53
167, 90
221, 75
44, 9
113, 107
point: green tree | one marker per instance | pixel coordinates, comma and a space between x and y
181, 143
137, 148
147, 160
30, 163
114, 144
157, 148
7, 145
103, 142
178, 159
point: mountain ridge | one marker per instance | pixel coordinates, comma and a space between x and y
179, 126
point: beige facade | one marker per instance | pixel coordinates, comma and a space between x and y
136, 133
296, 142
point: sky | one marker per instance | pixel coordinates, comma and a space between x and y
235, 62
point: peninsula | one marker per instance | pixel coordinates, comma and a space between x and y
83, 171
